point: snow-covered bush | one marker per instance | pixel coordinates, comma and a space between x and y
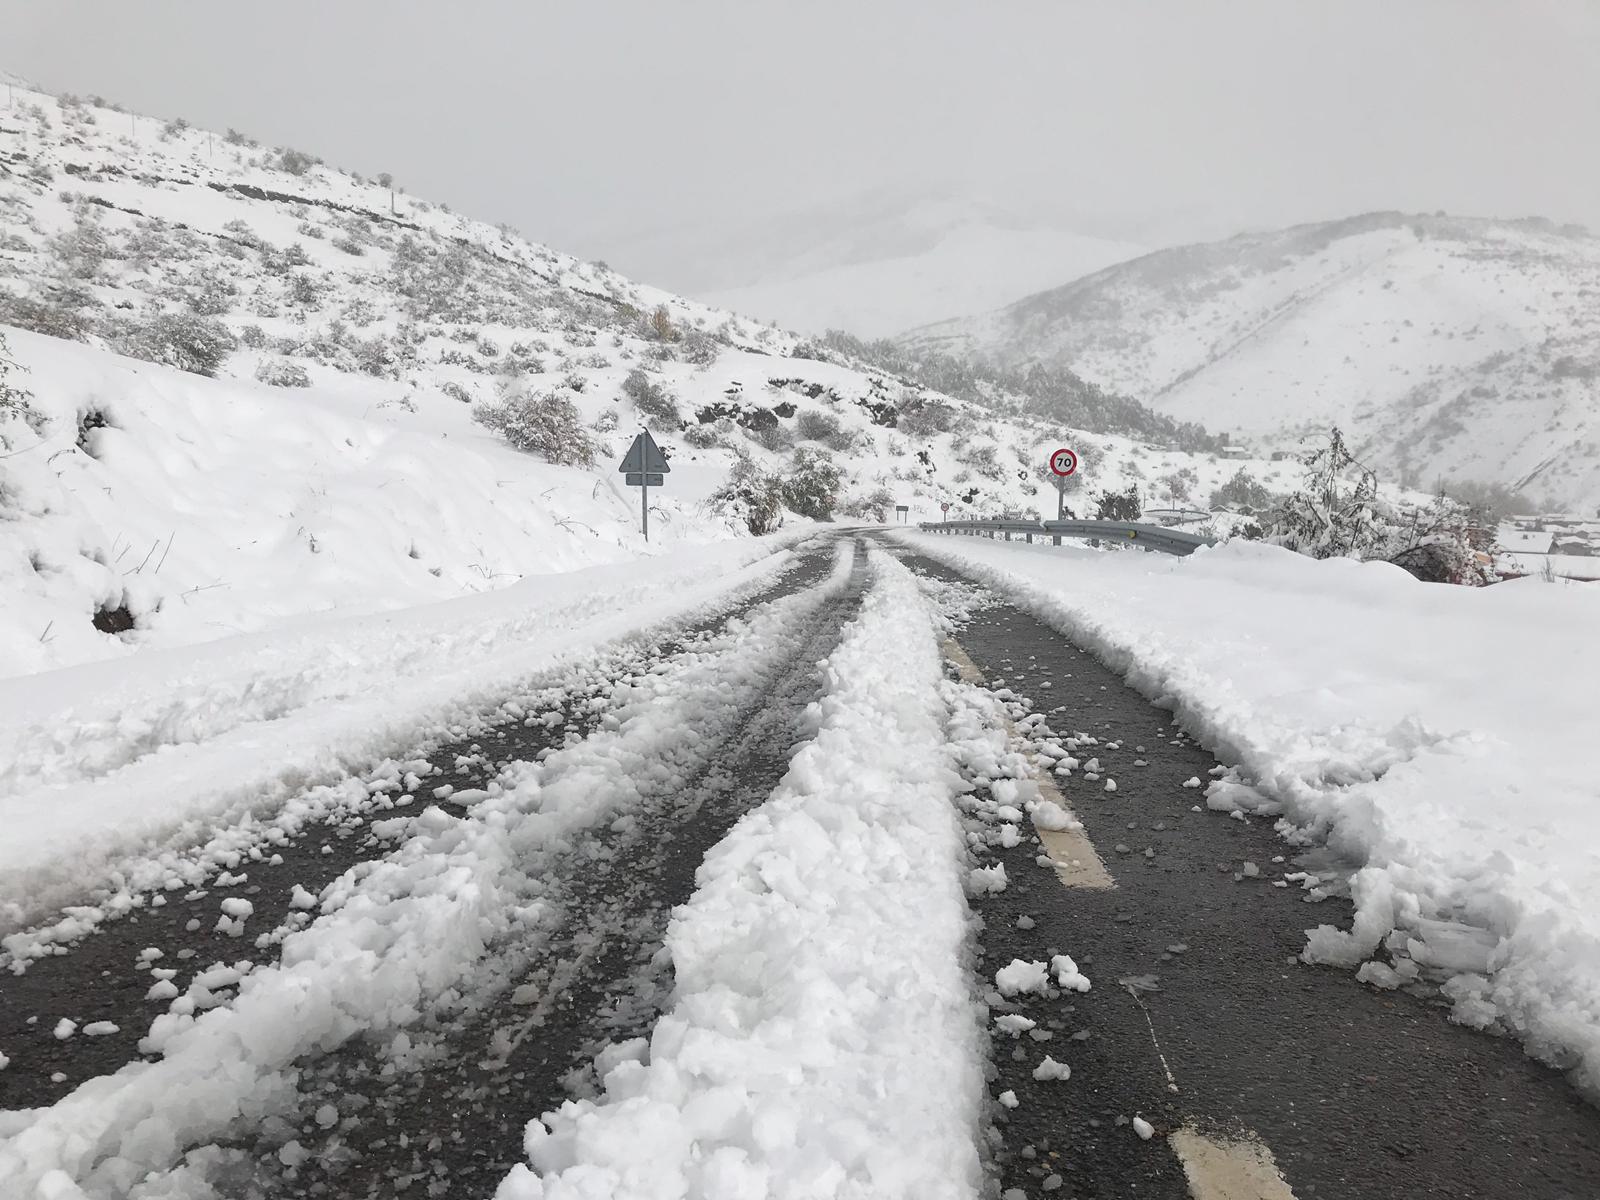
751, 496
650, 398
44, 316
549, 425
923, 420
194, 344
699, 348
811, 489
1337, 512
824, 427
456, 391
875, 505
295, 162
278, 373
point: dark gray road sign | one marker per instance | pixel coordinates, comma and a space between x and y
643, 467
644, 457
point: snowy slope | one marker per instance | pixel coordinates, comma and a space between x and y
333, 465
1446, 346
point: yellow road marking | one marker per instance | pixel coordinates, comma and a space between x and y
966, 669
1228, 1169
1077, 862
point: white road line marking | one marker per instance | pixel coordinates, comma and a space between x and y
1172, 1084
1228, 1169
1077, 862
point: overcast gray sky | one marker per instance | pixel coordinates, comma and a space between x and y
587, 124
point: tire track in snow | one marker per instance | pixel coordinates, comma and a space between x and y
535, 914
100, 970
554, 1005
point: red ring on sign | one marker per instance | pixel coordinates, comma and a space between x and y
1071, 464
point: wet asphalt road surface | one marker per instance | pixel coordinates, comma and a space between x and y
1359, 1093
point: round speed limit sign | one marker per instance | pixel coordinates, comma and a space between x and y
1063, 462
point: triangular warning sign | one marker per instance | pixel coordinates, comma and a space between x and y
644, 456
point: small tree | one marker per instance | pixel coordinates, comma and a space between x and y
549, 425
1335, 513
661, 327
811, 488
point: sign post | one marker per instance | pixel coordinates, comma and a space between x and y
1063, 463
644, 467
900, 510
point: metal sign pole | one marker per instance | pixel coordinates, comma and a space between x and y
644, 504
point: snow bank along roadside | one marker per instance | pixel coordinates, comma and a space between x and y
103, 764
824, 1039
1440, 739
395, 935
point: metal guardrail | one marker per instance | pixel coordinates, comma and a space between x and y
1146, 537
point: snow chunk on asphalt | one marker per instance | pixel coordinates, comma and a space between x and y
1143, 1128
65, 1029
1014, 1023
982, 881
1022, 976
1051, 1069
1067, 974
1049, 815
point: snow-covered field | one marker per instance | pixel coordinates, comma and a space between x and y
1439, 740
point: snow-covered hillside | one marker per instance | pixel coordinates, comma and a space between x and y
1446, 346
257, 377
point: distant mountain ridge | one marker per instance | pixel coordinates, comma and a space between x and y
1447, 346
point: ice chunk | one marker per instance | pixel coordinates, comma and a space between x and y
1143, 1128
1009, 1099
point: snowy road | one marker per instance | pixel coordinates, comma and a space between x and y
705, 901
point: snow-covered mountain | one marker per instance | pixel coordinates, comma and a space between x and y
254, 379
1446, 346
875, 265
